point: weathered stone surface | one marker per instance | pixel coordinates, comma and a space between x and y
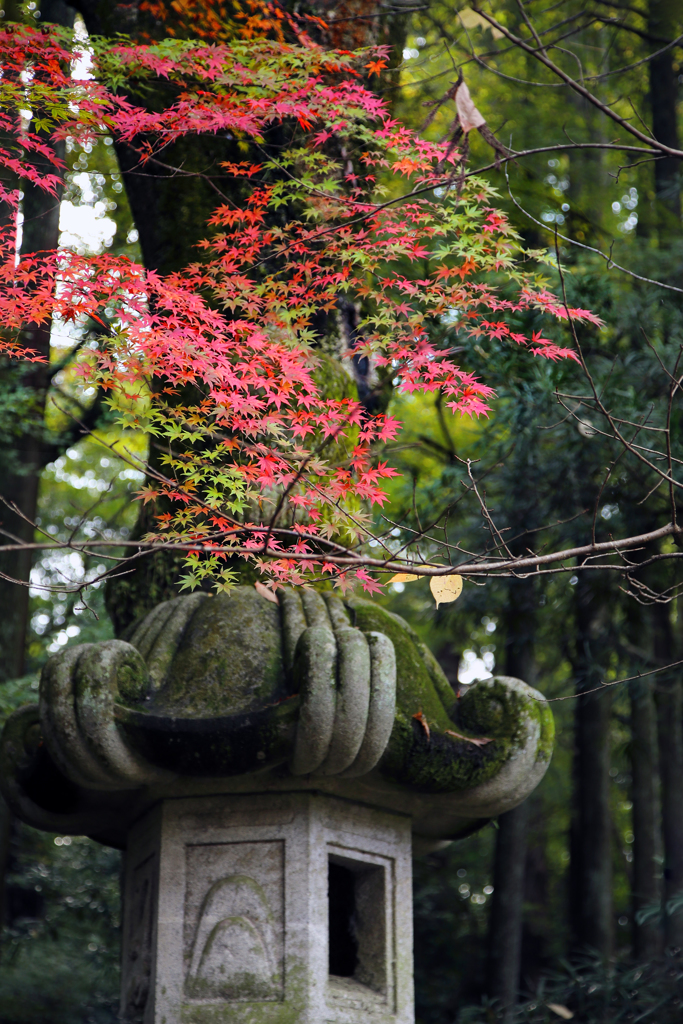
80, 692
231, 913
381, 706
227, 661
317, 670
232, 693
353, 701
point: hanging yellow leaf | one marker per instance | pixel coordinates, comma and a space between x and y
403, 577
561, 1011
445, 588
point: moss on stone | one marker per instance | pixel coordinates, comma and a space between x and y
439, 764
132, 680
491, 709
431, 762
229, 660
435, 761
546, 740
438, 678
287, 1010
228, 673
220, 747
109, 671
415, 689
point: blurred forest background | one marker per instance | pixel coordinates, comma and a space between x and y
575, 899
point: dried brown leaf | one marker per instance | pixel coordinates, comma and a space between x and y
478, 741
420, 718
266, 592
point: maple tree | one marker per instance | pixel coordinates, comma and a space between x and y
220, 362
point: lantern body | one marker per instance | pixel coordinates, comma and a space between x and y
267, 908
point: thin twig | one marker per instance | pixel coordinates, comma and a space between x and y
605, 686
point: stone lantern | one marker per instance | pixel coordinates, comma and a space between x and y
269, 771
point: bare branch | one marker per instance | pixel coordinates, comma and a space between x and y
616, 682
577, 87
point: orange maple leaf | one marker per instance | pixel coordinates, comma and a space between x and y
405, 166
375, 66
465, 269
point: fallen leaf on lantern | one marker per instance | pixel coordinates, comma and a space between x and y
478, 741
419, 717
403, 577
561, 1011
445, 588
266, 592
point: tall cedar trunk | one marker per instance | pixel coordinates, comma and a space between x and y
644, 797
591, 832
5, 843
664, 23
646, 881
505, 924
669, 690
26, 452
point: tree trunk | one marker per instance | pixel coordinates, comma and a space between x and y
644, 796
670, 729
5, 840
664, 23
12, 618
591, 832
505, 925
591, 841
646, 883
25, 452
25, 385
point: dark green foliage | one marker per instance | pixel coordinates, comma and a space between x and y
60, 953
450, 928
542, 461
596, 993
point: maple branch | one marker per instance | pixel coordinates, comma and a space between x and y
238, 337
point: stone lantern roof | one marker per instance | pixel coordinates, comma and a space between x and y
235, 694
